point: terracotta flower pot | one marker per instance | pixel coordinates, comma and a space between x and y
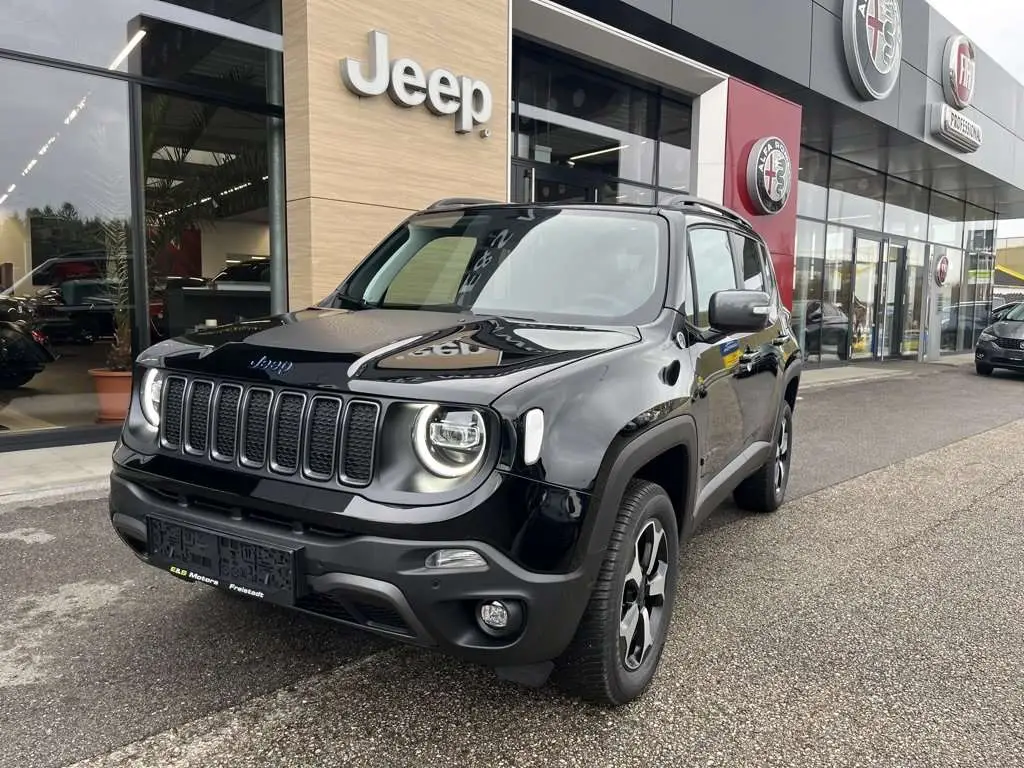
114, 393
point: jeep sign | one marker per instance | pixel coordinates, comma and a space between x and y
408, 85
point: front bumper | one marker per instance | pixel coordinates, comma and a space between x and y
998, 357
382, 584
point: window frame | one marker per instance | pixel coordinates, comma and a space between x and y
694, 314
770, 285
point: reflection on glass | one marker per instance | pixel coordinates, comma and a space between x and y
65, 223
866, 336
807, 285
597, 125
578, 118
812, 191
979, 271
906, 209
617, 192
206, 199
953, 312
830, 322
96, 32
913, 298
856, 196
946, 223
674, 134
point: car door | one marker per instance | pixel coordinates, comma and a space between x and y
714, 356
759, 367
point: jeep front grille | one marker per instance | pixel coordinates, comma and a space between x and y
283, 432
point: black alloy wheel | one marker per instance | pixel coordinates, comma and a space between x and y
618, 644
765, 490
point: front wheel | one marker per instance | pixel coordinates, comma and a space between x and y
765, 490
618, 644
983, 369
15, 380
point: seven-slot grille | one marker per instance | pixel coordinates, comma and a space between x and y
324, 437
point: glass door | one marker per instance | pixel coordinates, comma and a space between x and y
866, 332
890, 318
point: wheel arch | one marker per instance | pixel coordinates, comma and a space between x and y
651, 455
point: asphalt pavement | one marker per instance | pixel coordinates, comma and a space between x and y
875, 620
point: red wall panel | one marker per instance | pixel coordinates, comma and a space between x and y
753, 114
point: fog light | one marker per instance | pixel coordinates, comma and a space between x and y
455, 558
494, 614
500, 618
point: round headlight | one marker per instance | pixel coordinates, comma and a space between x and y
150, 394
449, 442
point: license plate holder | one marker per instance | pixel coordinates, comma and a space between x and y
237, 564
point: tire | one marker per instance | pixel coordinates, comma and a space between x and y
599, 666
843, 347
765, 490
15, 380
983, 369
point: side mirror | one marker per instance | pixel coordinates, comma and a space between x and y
739, 310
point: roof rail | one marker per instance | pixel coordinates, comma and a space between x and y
454, 202
688, 201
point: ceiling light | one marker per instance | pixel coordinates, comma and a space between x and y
600, 152
129, 47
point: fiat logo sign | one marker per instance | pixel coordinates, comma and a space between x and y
941, 270
961, 66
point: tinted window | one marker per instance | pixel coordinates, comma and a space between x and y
713, 268
544, 264
752, 267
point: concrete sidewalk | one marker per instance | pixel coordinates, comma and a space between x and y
77, 469
64, 471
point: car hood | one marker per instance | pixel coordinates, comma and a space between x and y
417, 354
1008, 329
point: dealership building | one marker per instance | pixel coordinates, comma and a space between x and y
240, 156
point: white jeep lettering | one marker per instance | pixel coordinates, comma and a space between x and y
408, 85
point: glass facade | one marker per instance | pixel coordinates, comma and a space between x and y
581, 134
864, 244
139, 189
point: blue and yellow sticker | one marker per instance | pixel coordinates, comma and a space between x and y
730, 352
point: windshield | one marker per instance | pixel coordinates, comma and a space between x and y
552, 265
1016, 314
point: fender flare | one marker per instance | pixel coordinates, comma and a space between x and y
619, 468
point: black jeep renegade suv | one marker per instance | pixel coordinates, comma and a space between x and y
489, 439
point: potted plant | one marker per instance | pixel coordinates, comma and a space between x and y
114, 382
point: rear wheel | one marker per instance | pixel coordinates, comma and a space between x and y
983, 369
618, 644
765, 490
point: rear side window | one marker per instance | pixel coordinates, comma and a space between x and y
713, 268
754, 266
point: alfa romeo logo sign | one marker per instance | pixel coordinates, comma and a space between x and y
873, 41
941, 270
961, 64
769, 175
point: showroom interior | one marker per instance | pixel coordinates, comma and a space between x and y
145, 190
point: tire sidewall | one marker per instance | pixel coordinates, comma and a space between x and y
785, 417
625, 684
